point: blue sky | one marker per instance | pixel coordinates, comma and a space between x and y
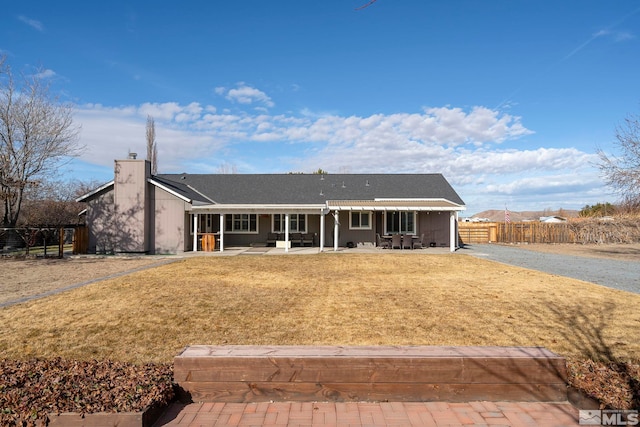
509, 99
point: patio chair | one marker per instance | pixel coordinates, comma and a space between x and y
396, 241
407, 241
307, 238
418, 244
296, 239
271, 239
382, 243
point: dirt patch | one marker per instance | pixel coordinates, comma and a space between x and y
23, 278
627, 252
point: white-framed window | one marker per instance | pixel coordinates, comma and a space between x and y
400, 222
360, 220
241, 223
297, 223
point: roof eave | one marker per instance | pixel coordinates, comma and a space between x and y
258, 208
169, 190
90, 194
389, 204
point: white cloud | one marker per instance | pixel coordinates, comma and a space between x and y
467, 146
165, 111
546, 184
514, 161
33, 23
244, 94
45, 74
435, 131
568, 189
110, 133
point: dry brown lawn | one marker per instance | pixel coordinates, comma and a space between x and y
340, 299
24, 278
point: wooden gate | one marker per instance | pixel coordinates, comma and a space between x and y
477, 232
81, 240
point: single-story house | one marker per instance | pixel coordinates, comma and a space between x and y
174, 213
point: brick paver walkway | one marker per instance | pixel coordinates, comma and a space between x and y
400, 414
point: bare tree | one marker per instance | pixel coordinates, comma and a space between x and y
152, 148
225, 168
53, 204
80, 187
622, 171
36, 135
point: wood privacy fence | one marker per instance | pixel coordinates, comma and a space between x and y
515, 232
535, 232
584, 230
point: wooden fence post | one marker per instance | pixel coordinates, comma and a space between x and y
61, 243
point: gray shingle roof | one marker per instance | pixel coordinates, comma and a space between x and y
309, 188
181, 188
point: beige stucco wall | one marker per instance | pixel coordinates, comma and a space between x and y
102, 233
168, 222
166, 225
131, 198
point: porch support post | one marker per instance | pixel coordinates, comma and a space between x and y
321, 230
452, 231
221, 232
195, 232
286, 233
336, 230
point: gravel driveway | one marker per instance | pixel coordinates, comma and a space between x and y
623, 275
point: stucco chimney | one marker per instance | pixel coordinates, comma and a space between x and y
131, 197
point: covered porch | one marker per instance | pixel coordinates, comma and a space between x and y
251, 225
344, 223
427, 222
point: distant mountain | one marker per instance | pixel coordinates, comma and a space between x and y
495, 215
